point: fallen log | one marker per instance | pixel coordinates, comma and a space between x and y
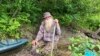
92, 34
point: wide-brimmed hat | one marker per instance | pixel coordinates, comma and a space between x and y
47, 14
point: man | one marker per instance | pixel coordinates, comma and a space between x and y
45, 34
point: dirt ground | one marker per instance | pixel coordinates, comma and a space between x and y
25, 50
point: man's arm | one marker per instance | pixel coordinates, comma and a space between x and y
40, 33
58, 30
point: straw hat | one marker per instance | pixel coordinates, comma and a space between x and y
47, 14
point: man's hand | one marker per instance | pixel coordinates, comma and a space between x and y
56, 20
34, 42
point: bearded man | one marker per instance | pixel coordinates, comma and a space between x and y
45, 34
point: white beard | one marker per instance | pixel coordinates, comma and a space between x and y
48, 24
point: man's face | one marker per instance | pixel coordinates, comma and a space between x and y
48, 17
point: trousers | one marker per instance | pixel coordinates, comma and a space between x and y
43, 48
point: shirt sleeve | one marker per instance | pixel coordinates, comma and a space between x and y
58, 30
40, 32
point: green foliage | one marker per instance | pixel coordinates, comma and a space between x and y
12, 17
73, 12
9, 27
79, 45
82, 13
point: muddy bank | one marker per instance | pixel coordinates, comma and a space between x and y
62, 45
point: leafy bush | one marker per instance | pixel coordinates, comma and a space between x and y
82, 13
10, 27
73, 12
79, 45
13, 15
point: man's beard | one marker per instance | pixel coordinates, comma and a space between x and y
48, 24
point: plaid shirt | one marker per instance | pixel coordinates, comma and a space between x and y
47, 36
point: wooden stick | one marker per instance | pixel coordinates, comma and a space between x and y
52, 47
